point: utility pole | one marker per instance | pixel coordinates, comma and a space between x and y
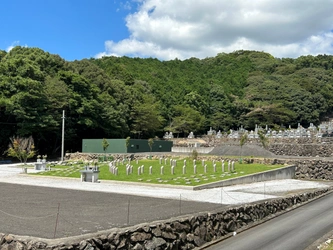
63, 135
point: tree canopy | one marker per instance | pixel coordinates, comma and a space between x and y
119, 97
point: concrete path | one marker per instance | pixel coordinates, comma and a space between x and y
227, 195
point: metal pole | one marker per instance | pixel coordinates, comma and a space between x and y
221, 195
63, 135
128, 211
180, 204
56, 225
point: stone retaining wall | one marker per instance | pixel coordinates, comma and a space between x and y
307, 150
308, 169
275, 174
185, 232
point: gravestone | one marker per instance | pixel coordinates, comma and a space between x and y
219, 135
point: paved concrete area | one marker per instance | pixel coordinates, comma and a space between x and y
58, 207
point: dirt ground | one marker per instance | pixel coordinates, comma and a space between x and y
55, 213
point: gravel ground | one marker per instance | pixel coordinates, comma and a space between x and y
247, 150
58, 207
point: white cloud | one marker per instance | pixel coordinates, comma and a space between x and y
202, 28
14, 44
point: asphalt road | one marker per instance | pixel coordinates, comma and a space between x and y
294, 230
47, 212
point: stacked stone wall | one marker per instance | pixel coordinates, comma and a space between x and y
304, 150
308, 169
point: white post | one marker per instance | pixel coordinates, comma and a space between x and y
63, 135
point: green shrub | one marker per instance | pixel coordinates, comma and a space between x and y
194, 154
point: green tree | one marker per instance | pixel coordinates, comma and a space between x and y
242, 141
105, 144
127, 142
150, 144
21, 148
186, 120
263, 139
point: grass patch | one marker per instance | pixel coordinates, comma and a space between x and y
178, 177
327, 246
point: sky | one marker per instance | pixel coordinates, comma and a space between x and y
168, 29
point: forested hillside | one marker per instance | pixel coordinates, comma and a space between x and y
116, 97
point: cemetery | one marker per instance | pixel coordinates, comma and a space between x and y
195, 171
171, 171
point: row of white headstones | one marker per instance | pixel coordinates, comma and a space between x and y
113, 167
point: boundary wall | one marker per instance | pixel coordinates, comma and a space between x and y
276, 174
